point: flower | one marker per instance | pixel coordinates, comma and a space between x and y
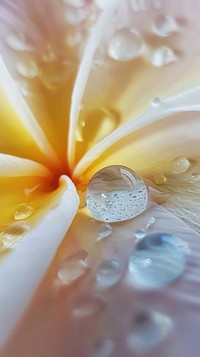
133, 65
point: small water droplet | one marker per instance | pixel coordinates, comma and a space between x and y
103, 348
159, 178
75, 3
75, 17
14, 234
195, 178
163, 56
88, 305
158, 259
96, 124
138, 5
27, 68
164, 25
104, 230
17, 42
73, 267
140, 233
181, 164
74, 39
148, 330
116, 193
23, 211
156, 102
108, 273
125, 45
49, 54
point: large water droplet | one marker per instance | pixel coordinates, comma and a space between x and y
138, 5
104, 230
74, 267
27, 68
163, 56
195, 178
181, 164
75, 3
14, 234
125, 45
164, 25
159, 178
148, 330
157, 260
116, 193
108, 273
23, 211
88, 305
16, 41
103, 348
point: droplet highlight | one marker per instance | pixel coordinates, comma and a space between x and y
14, 234
23, 211
104, 230
116, 193
74, 267
108, 273
181, 165
164, 25
195, 178
163, 56
125, 45
27, 68
157, 260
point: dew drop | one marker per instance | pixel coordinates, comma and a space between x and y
49, 54
27, 68
138, 5
140, 233
148, 330
181, 164
104, 230
116, 193
164, 25
75, 17
108, 273
163, 56
156, 102
103, 348
16, 41
74, 267
125, 45
195, 178
97, 124
14, 234
88, 305
23, 211
75, 3
158, 259
159, 178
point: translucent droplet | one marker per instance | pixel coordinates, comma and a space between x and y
75, 3
49, 54
88, 305
148, 330
116, 193
158, 259
138, 5
163, 56
125, 45
195, 178
74, 267
27, 68
14, 234
141, 233
75, 16
181, 164
23, 211
104, 230
16, 41
159, 178
74, 39
156, 102
108, 273
103, 348
96, 124
164, 25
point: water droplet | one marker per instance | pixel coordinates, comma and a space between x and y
158, 259
88, 305
27, 68
16, 41
104, 230
138, 5
195, 178
75, 16
14, 234
163, 56
49, 54
75, 3
103, 348
140, 233
159, 178
164, 25
116, 193
74, 267
125, 45
156, 102
181, 164
148, 330
23, 211
108, 273
96, 124
74, 39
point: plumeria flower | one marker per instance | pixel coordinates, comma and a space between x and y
99, 177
